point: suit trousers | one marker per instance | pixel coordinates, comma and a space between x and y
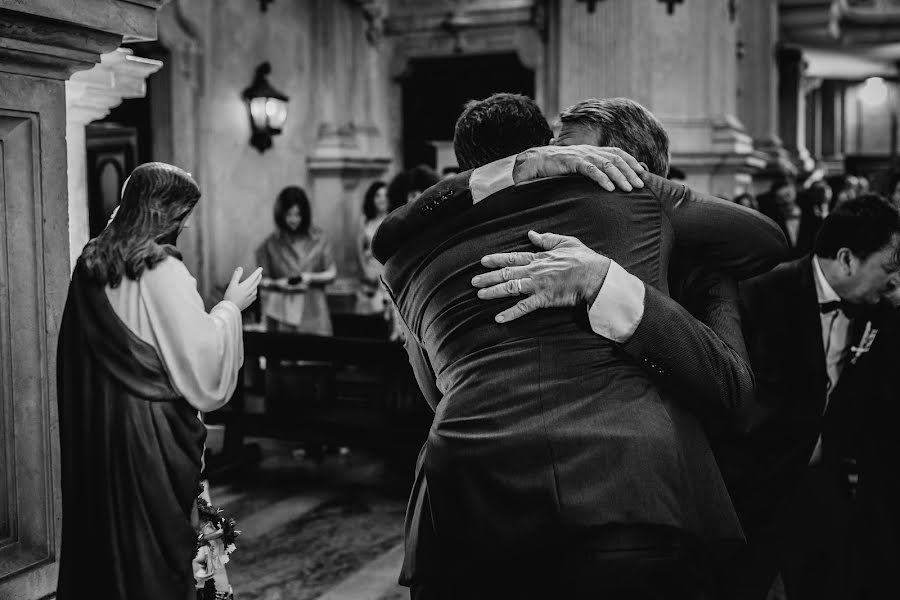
659, 566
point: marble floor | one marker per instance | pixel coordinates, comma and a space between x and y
329, 529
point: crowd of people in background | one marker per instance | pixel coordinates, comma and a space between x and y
298, 261
799, 205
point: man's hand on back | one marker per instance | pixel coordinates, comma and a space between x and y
610, 167
566, 273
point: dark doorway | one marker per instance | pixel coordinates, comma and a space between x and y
112, 152
436, 89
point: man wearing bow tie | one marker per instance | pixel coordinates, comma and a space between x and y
808, 333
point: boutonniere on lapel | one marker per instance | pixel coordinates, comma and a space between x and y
865, 342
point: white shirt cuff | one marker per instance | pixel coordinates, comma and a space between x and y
492, 178
619, 307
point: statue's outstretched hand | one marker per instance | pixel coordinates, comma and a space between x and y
243, 293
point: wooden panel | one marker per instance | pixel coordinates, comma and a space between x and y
33, 282
7, 466
26, 479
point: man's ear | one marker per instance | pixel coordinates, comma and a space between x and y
847, 261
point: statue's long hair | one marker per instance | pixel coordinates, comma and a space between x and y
155, 202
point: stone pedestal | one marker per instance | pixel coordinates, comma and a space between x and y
42, 43
339, 171
90, 95
833, 126
681, 66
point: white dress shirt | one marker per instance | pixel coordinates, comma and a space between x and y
619, 307
835, 333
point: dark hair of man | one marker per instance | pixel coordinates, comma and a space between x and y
676, 173
779, 182
288, 198
397, 190
422, 177
498, 126
864, 225
815, 195
157, 198
625, 124
369, 209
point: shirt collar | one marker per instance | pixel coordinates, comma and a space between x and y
824, 291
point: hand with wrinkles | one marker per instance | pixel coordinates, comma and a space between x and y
611, 168
564, 273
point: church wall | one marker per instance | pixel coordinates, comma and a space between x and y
318, 53
681, 64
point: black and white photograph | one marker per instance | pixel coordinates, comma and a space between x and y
449, 300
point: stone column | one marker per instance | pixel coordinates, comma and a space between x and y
792, 89
42, 42
833, 126
758, 85
680, 65
351, 148
90, 95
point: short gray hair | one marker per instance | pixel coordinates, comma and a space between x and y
625, 124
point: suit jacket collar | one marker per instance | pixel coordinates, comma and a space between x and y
824, 291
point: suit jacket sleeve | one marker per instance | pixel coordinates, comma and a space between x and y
732, 238
713, 298
441, 201
711, 378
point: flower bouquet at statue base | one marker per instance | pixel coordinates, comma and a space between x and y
215, 542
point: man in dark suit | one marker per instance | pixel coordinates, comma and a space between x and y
800, 226
553, 453
808, 338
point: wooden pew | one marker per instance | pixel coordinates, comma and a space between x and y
365, 395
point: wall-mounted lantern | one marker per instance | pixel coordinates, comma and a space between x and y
267, 108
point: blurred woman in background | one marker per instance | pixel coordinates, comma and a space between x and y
375, 209
297, 263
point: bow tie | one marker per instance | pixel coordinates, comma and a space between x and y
850, 310
829, 307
